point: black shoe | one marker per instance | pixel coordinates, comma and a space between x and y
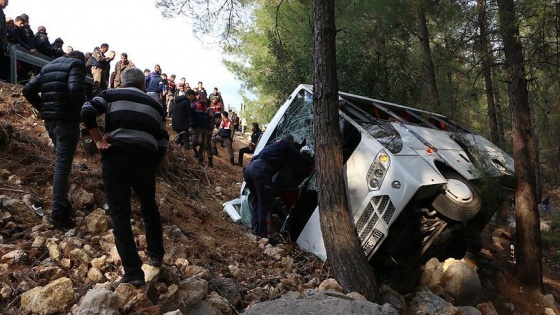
231, 161
155, 261
62, 222
210, 164
134, 280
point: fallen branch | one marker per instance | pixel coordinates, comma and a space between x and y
20, 191
15, 190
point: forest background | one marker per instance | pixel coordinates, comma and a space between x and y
445, 56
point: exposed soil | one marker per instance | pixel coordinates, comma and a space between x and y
190, 197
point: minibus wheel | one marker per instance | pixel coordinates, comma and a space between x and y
460, 200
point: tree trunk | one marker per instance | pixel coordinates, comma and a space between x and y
427, 62
383, 63
500, 115
529, 253
345, 255
557, 7
487, 63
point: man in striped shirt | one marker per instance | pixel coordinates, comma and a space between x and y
133, 145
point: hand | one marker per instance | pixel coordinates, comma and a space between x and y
103, 144
191, 130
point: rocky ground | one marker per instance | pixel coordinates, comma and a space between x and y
212, 265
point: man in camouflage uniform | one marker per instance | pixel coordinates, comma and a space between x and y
42, 43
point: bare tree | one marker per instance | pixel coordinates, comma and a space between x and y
345, 255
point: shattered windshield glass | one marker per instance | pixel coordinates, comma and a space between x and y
297, 121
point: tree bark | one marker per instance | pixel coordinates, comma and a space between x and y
345, 255
557, 7
529, 253
427, 62
487, 63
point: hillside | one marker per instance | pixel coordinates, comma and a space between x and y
199, 237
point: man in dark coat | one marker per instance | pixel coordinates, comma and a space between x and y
3, 27
255, 136
59, 52
258, 176
19, 34
198, 123
27, 31
154, 84
180, 118
62, 88
134, 144
4, 65
42, 43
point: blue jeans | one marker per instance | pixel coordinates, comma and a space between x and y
259, 181
65, 136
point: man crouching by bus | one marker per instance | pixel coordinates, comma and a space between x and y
134, 144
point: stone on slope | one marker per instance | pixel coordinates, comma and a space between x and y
50, 299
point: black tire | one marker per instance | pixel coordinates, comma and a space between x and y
460, 200
456, 248
404, 280
397, 263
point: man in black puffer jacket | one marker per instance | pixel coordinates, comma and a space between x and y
62, 84
180, 118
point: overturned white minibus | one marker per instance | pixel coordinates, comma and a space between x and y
411, 181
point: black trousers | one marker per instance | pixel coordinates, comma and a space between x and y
243, 151
183, 138
121, 173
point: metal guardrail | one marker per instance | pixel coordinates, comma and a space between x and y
16, 52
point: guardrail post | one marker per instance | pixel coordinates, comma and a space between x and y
13, 64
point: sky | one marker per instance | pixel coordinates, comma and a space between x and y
137, 28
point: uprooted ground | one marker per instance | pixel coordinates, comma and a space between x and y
190, 197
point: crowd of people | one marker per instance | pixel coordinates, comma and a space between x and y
17, 31
220, 128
